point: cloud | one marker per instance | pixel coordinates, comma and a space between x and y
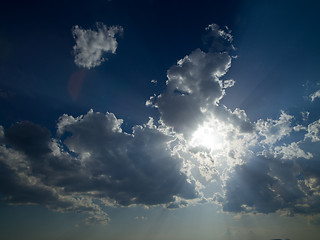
128, 168
219, 39
273, 173
198, 151
21, 183
29, 138
194, 86
96, 160
274, 130
315, 95
314, 131
267, 185
292, 151
283, 177
92, 45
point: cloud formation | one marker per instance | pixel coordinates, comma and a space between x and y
96, 160
91, 45
283, 177
198, 151
194, 86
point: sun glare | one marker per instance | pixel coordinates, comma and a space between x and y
207, 137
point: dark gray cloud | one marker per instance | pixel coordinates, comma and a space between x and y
97, 160
266, 185
29, 138
136, 168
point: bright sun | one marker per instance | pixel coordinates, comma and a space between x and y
207, 137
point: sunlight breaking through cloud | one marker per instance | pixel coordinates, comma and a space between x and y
198, 151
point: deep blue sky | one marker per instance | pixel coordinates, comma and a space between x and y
276, 43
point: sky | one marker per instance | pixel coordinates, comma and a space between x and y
159, 120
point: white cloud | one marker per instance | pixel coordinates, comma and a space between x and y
299, 127
92, 45
315, 95
228, 83
291, 151
194, 87
274, 130
314, 131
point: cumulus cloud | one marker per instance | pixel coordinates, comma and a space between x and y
267, 185
96, 160
252, 166
292, 151
129, 168
275, 130
194, 86
91, 45
29, 138
206, 150
198, 151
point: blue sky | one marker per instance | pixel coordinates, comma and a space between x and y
159, 120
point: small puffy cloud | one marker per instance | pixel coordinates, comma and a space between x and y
275, 130
299, 127
315, 95
228, 83
91, 45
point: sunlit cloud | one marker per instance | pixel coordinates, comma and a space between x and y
199, 150
91, 45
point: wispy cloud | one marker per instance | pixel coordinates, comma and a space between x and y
315, 95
